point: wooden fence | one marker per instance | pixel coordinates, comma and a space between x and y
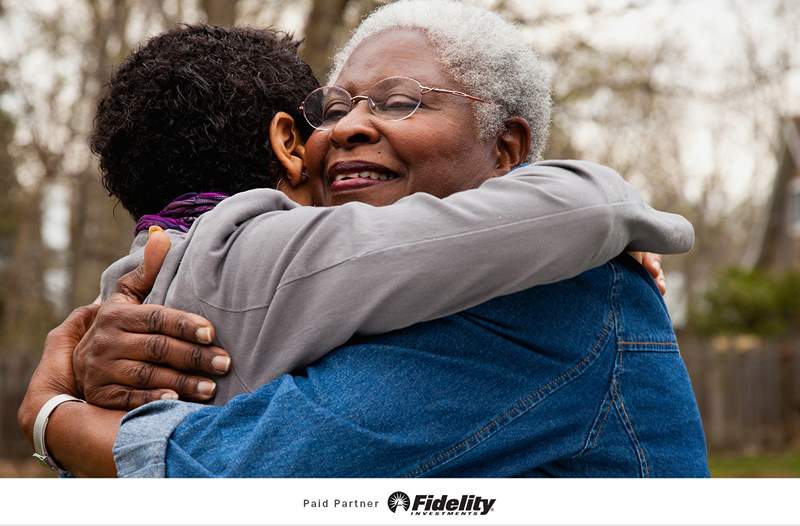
748, 391
15, 371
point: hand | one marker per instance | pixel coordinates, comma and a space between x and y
53, 375
652, 262
134, 354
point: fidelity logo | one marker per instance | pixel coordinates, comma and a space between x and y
441, 505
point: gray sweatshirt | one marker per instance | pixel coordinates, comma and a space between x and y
284, 284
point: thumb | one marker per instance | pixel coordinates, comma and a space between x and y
134, 286
155, 252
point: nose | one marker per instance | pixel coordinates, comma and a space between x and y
355, 128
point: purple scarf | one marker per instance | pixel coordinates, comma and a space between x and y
181, 213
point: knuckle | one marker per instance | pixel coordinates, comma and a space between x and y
155, 320
196, 357
129, 283
181, 326
146, 397
181, 383
89, 364
156, 348
143, 374
129, 398
108, 316
115, 397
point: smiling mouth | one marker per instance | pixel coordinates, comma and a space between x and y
353, 175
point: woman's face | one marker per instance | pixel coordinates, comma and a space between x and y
436, 150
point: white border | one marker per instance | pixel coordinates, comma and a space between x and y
263, 501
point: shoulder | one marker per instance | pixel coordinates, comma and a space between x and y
642, 316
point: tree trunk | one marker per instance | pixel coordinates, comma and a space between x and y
220, 12
322, 22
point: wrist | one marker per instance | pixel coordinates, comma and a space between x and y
40, 428
29, 409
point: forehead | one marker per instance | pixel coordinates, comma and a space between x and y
394, 53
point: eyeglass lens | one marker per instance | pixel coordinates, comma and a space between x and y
394, 98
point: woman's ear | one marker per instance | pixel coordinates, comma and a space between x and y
513, 144
287, 144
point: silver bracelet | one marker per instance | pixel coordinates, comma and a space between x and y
40, 426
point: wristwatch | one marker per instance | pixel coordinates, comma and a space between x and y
40, 426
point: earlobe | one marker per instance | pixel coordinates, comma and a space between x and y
513, 144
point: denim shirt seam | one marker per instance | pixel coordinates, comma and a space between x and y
598, 424
615, 385
519, 408
627, 423
601, 417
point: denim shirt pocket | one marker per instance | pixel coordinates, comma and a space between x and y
642, 319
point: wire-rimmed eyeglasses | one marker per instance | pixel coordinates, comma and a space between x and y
393, 98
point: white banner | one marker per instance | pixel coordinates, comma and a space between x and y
400, 501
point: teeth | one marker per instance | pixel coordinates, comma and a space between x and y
363, 175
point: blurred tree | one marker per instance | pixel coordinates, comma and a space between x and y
327, 26
613, 104
98, 235
220, 12
634, 109
25, 313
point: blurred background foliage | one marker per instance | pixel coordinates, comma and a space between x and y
683, 97
750, 301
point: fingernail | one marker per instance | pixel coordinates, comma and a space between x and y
153, 229
206, 388
203, 334
221, 363
169, 396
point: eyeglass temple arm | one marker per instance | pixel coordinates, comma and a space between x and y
426, 89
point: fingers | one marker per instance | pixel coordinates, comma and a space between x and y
155, 252
158, 320
124, 398
134, 286
652, 262
661, 282
181, 355
147, 376
638, 256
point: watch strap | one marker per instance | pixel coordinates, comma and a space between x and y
40, 426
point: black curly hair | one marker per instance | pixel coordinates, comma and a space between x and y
189, 112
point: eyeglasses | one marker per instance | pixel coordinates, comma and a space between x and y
393, 98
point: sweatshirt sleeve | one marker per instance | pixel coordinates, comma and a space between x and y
292, 283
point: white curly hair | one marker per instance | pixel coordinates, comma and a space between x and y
482, 51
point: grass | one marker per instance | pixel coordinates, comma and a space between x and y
752, 466
766, 465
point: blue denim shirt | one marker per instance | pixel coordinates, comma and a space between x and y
577, 378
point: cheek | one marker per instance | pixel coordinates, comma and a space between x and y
451, 158
316, 150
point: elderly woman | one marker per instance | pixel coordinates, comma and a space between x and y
527, 384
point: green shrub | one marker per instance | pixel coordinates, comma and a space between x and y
750, 301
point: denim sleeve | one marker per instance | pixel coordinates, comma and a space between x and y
141, 444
